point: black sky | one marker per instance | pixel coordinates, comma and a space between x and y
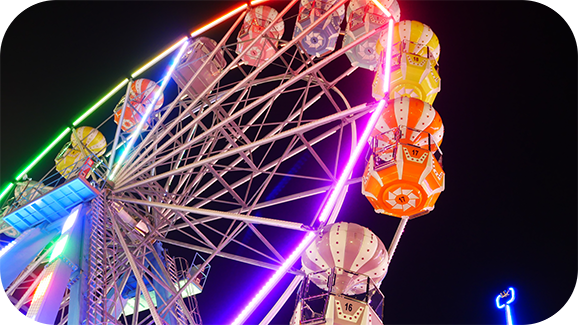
508, 216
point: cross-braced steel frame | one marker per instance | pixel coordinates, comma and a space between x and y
254, 154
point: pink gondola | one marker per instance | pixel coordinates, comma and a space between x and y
256, 20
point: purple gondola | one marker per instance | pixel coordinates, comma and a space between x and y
323, 38
364, 16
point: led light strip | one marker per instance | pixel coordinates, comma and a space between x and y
79, 120
326, 211
387, 68
381, 7
149, 109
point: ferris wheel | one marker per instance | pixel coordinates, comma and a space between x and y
253, 155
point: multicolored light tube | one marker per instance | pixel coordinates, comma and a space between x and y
49, 292
111, 93
328, 208
42, 286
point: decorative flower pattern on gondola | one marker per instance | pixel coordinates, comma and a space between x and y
363, 16
322, 38
256, 20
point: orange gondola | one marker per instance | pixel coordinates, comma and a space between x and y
404, 176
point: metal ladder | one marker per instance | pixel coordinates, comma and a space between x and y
172, 268
96, 275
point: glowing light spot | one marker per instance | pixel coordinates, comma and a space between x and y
382, 8
70, 220
511, 293
42, 287
58, 248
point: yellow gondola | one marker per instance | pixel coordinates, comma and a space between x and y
91, 139
414, 70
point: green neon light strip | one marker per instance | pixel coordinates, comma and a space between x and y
90, 111
42, 154
122, 84
58, 248
6, 189
100, 102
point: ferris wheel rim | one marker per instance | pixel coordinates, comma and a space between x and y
357, 111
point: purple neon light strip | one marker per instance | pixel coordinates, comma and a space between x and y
149, 110
326, 211
323, 216
351, 163
274, 279
371, 124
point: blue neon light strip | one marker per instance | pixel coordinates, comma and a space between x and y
149, 109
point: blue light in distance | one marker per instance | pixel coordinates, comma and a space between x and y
512, 294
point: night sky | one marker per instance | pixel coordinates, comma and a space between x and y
508, 215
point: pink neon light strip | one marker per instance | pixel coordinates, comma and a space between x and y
242, 317
387, 68
351, 163
382, 8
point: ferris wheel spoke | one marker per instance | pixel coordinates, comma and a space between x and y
221, 214
278, 128
269, 166
236, 162
290, 132
158, 273
254, 250
234, 185
135, 269
208, 136
229, 256
207, 242
229, 189
224, 243
314, 68
204, 240
191, 225
194, 102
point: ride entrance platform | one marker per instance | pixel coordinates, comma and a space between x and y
53, 205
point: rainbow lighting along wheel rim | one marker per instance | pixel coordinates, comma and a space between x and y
240, 152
